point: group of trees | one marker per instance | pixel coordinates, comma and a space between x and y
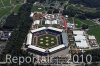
17, 38
90, 3
81, 14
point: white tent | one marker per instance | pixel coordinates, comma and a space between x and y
78, 32
36, 22
54, 22
47, 22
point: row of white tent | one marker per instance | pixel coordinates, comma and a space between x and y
51, 22
80, 39
46, 22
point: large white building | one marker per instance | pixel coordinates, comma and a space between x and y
80, 39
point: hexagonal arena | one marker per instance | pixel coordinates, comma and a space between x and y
46, 40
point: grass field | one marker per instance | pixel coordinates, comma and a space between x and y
5, 11
6, 2
79, 22
95, 31
47, 41
36, 8
8, 6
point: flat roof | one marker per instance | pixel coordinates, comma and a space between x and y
80, 39
82, 44
92, 37
78, 32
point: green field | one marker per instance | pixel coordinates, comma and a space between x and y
17, 1
36, 8
47, 41
95, 31
5, 11
80, 22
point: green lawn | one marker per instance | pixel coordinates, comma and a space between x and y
6, 2
1, 5
35, 8
5, 11
47, 41
79, 22
17, 1
16, 9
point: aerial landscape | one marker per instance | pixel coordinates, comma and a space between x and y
49, 32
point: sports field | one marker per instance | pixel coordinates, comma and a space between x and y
47, 41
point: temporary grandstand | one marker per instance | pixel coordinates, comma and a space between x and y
80, 39
58, 38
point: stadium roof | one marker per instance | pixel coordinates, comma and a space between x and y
56, 29
36, 48
56, 48
43, 28
65, 38
39, 29
29, 38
